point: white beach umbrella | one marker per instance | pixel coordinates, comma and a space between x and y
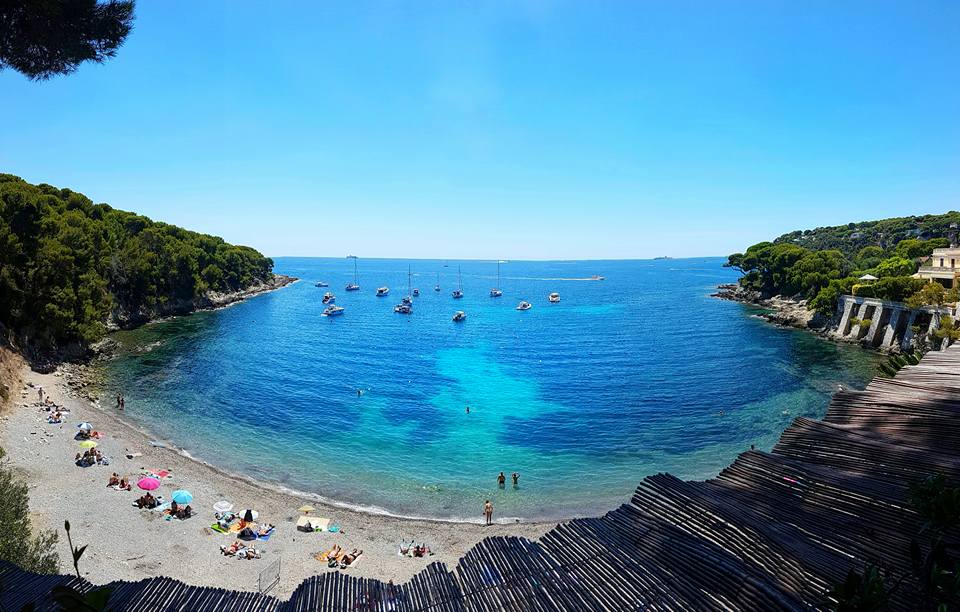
85, 426
868, 277
223, 506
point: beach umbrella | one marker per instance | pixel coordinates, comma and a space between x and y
85, 426
306, 509
88, 444
182, 497
222, 506
148, 484
250, 515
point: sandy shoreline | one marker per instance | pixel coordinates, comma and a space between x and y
130, 544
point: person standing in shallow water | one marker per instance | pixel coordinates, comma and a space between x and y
468, 409
123, 402
488, 512
516, 480
501, 480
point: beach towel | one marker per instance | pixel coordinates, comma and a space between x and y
267, 535
325, 555
334, 528
216, 527
161, 507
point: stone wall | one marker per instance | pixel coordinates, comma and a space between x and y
891, 323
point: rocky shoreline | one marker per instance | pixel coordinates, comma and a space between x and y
786, 312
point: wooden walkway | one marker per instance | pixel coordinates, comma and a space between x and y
773, 531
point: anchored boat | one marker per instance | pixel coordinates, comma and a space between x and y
355, 285
333, 311
554, 298
495, 292
329, 298
459, 316
524, 306
458, 292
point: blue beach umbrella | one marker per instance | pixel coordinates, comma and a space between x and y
182, 497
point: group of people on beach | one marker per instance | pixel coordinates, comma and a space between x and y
121, 484
121, 401
240, 550
91, 456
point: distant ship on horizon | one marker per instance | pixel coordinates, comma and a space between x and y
662, 257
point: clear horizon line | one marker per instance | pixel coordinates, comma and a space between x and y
495, 260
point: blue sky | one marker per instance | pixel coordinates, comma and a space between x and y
540, 130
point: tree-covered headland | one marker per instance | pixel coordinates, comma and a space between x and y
68, 267
822, 264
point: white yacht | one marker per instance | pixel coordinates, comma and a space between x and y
524, 306
329, 298
322, 284
458, 292
382, 291
496, 292
355, 285
459, 316
554, 298
403, 308
333, 311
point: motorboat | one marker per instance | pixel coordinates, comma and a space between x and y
355, 285
597, 277
458, 292
554, 298
524, 306
496, 292
329, 298
333, 311
382, 291
408, 300
403, 308
322, 284
459, 316
416, 292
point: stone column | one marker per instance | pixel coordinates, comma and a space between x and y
889, 336
908, 333
855, 330
845, 319
875, 323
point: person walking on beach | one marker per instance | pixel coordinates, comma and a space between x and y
501, 480
488, 512
516, 479
40, 394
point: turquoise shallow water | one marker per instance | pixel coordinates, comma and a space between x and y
637, 374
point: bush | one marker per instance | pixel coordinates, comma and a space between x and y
34, 553
861, 290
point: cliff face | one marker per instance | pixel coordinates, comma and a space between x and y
10, 382
121, 319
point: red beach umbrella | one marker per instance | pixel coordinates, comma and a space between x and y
148, 484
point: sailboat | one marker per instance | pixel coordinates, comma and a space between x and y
354, 286
406, 304
495, 292
458, 292
437, 286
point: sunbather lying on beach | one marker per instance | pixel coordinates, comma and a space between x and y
114, 480
265, 529
421, 551
249, 552
333, 555
233, 548
348, 560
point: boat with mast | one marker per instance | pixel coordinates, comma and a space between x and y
437, 286
355, 285
406, 304
496, 292
458, 292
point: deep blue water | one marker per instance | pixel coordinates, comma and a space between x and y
637, 374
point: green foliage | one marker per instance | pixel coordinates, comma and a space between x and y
948, 329
932, 294
41, 39
895, 266
822, 264
825, 302
67, 264
937, 501
18, 544
865, 592
69, 598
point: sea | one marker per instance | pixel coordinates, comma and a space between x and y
640, 373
